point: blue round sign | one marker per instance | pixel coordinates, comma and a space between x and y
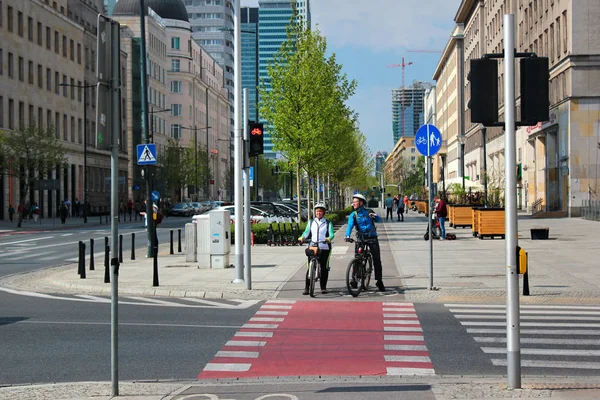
428, 140
155, 196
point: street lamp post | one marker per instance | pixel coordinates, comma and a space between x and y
85, 87
461, 140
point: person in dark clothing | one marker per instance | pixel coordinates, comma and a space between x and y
63, 212
441, 211
11, 212
389, 204
400, 208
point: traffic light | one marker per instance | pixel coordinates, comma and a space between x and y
256, 139
535, 96
484, 91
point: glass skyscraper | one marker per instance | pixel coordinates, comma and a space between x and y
249, 21
110, 5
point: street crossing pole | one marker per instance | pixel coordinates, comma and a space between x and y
247, 228
237, 167
513, 349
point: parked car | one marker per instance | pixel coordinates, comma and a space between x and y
294, 209
257, 215
181, 210
200, 207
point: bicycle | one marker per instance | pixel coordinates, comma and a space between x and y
314, 266
360, 269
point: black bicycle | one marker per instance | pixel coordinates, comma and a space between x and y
314, 266
358, 273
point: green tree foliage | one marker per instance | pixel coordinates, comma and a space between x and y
415, 179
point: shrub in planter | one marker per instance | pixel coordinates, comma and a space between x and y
260, 231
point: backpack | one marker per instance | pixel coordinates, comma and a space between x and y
374, 228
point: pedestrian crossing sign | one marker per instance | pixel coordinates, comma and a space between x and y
146, 154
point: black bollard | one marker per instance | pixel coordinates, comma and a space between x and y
101, 220
105, 241
106, 266
81, 264
179, 240
133, 245
526, 283
92, 254
171, 245
155, 270
120, 249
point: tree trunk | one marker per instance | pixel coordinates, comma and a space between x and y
299, 200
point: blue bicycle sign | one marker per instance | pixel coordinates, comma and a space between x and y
428, 140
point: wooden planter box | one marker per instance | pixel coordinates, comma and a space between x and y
422, 206
475, 220
462, 216
490, 222
450, 208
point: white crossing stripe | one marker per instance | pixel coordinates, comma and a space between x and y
401, 322
245, 343
262, 312
540, 331
550, 364
405, 347
275, 307
402, 329
409, 371
229, 367
525, 312
557, 324
503, 306
260, 326
399, 310
572, 342
401, 316
265, 319
530, 317
238, 354
545, 352
389, 303
280, 302
402, 337
407, 358
254, 334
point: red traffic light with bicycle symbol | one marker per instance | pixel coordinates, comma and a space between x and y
256, 145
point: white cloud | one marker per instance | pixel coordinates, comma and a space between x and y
385, 25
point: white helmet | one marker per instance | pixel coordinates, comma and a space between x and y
360, 197
320, 205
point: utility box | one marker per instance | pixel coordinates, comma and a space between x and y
203, 240
191, 242
220, 238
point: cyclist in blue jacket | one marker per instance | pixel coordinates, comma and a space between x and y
363, 220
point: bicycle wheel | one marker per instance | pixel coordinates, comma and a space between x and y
367, 275
312, 275
354, 277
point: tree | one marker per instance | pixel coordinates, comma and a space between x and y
28, 153
413, 183
173, 170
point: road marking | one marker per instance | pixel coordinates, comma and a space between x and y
558, 324
402, 316
408, 358
126, 323
260, 326
264, 319
262, 312
529, 317
280, 302
575, 342
557, 307
227, 367
245, 343
540, 331
237, 354
399, 310
525, 312
405, 347
254, 334
27, 240
402, 305
276, 307
545, 352
402, 337
550, 364
401, 329
409, 371
401, 321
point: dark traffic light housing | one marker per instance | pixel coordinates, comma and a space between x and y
484, 91
256, 146
535, 93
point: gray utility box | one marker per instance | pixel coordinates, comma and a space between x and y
190, 242
213, 239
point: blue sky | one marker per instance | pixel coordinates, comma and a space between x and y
367, 36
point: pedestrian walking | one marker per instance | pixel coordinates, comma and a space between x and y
11, 212
63, 210
389, 204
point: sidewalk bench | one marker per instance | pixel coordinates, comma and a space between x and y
540, 233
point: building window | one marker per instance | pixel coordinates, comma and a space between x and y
20, 23
79, 130
40, 33
65, 133
78, 53
11, 114
56, 82
57, 125
175, 65
11, 70
73, 129
30, 72
21, 69
176, 131
176, 110
1, 108
175, 43
48, 120
56, 43
48, 79
9, 21
21, 115
72, 50
564, 31
30, 29
64, 46
72, 89
48, 38
64, 81
40, 76
1, 63
175, 86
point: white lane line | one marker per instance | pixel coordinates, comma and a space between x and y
238, 354
402, 329
152, 301
220, 305
534, 324
399, 310
407, 358
67, 234
261, 312
34, 254
502, 306
126, 323
551, 364
409, 371
540, 331
27, 240
529, 317
525, 312
389, 303
245, 343
402, 337
280, 302
401, 322
260, 326
401, 316
275, 307
254, 334
405, 347
575, 342
264, 319
230, 367
545, 352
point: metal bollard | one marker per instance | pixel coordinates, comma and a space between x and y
179, 240
133, 245
100, 219
120, 248
106, 266
92, 268
155, 270
171, 244
105, 241
81, 264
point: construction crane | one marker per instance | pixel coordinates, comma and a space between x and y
403, 65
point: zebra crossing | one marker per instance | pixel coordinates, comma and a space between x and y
553, 337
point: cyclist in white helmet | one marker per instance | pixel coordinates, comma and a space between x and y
318, 230
363, 220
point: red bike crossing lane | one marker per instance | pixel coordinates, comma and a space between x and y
316, 338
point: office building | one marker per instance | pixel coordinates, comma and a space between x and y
408, 109
249, 24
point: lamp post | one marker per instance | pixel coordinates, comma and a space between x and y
196, 129
461, 140
85, 87
485, 183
